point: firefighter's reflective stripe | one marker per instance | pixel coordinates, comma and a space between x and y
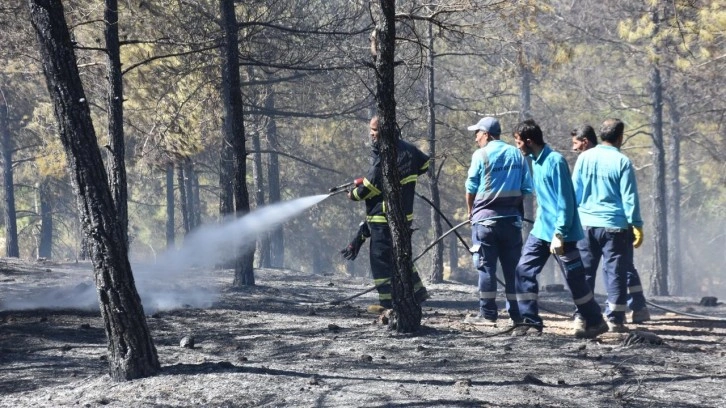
374, 190
511, 296
635, 289
617, 308
526, 296
410, 179
425, 166
584, 299
385, 296
378, 219
487, 295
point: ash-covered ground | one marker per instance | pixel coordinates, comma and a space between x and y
278, 344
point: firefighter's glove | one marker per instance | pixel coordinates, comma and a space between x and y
351, 251
637, 236
557, 246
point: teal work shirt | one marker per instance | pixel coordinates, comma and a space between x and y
556, 206
605, 189
499, 178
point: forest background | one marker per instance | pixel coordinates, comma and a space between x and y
307, 84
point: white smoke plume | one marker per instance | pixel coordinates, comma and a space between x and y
180, 278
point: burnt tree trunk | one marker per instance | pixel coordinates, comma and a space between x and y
674, 197
235, 134
257, 176
659, 276
170, 221
131, 350
192, 210
407, 312
117, 176
45, 198
183, 200
277, 237
437, 263
12, 249
525, 101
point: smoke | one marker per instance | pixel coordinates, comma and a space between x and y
185, 277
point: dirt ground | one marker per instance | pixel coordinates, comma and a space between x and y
279, 345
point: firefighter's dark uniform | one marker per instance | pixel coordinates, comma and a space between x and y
412, 163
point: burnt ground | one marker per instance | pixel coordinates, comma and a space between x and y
278, 345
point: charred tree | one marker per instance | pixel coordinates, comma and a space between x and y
45, 200
277, 237
131, 350
437, 271
659, 276
170, 222
264, 244
117, 175
234, 135
183, 200
406, 311
12, 249
674, 197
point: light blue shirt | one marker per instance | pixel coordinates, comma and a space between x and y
499, 176
605, 188
556, 207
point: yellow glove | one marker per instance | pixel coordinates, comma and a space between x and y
638, 234
557, 247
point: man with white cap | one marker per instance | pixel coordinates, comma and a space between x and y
497, 181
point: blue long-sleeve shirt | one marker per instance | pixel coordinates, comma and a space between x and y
499, 177
606, 189
556, 207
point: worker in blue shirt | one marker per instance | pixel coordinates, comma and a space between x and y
608, 205
556, 231
496, 183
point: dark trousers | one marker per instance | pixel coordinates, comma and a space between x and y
500, 240
636, 298
534, 256
383, 264
612, 246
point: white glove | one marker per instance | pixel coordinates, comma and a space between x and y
557, 247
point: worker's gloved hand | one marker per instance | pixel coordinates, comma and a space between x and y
351, 251
557, 246
638, 236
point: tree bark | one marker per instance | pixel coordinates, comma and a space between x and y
131, 349
117, 176
45, 198
525, 101
170, 221
406, 311
235, 133
257, 176
183, 200
12, 249
659, 276
437, 270
277, 237
674, 197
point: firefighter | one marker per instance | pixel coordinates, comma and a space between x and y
412, 163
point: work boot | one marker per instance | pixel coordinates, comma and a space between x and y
480, 320
528, 327
579, 325
640, 316
590, 331
376, 309
614, 327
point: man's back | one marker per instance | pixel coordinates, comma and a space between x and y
606, 189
